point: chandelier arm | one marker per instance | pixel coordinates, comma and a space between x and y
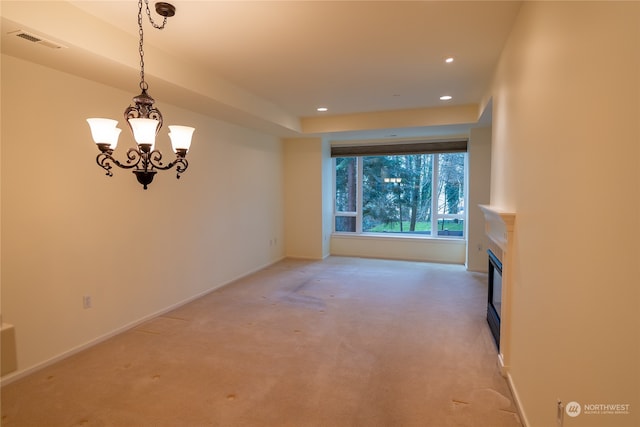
106, 160
180, 163
155, 159
134, 157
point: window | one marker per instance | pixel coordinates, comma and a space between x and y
394, 194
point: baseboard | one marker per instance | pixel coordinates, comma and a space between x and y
390, 258
8, 355
504, 369
476, 270
517, 401
8, 379
306, 258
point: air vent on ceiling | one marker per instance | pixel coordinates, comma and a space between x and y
37, 39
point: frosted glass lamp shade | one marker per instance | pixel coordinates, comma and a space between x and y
144, 131
104, 131
180, 137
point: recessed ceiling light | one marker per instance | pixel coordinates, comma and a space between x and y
322, 109
445, 97
449, 59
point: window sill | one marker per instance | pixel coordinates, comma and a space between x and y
397, 236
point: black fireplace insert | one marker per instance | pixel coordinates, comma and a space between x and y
494, 305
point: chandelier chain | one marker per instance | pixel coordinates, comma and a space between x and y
143, 83
164, 21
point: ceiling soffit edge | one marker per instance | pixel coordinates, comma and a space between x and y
421, 117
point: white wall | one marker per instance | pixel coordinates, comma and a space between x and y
566, 159
68, 230
479, 184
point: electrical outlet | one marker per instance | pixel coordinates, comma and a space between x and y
86, 301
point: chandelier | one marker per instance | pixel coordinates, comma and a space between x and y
144, 121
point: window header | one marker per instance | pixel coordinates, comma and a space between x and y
434, 147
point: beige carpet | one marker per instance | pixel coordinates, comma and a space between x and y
339, 342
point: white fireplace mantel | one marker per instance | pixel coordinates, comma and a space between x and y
498, 225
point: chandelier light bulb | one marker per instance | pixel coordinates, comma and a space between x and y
114, 136
144, 131
180, 137
104, 131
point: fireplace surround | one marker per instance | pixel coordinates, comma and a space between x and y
499, 227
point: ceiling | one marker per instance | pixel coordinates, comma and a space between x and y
270, 64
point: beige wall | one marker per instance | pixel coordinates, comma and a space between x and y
328, 198
566, 144
303, 186
449, 251
68, 230
478, 188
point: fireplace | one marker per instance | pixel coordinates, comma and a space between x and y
494, 302
499, 226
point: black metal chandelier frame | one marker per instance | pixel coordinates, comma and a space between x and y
144, 159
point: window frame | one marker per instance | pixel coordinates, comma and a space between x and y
436, 216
